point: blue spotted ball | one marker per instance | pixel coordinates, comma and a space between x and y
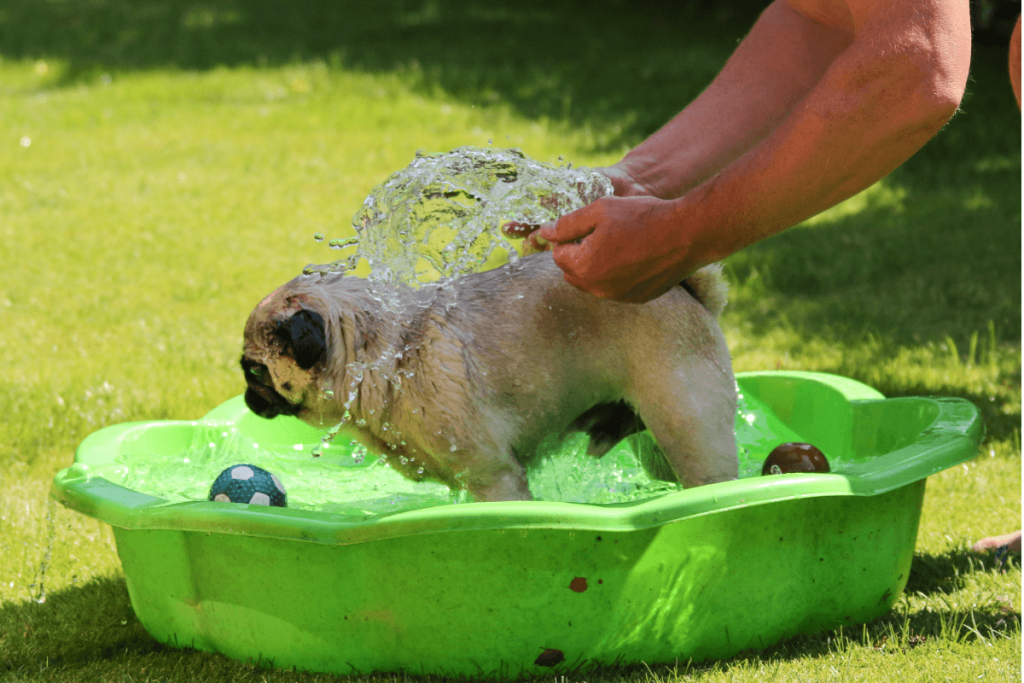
248, 484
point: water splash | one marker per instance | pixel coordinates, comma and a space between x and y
37, 589
441, 217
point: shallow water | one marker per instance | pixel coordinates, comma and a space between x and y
350, 481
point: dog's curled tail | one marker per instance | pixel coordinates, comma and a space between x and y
709, 287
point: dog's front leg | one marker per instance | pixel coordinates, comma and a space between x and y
489, 481
509, 487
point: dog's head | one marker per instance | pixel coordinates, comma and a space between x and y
285, 351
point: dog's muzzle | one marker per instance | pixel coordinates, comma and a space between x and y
269, 409
264, 400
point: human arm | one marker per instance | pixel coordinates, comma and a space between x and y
776, 138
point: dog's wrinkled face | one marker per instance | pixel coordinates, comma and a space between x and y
284, 347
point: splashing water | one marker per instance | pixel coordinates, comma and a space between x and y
37, 589
441, 217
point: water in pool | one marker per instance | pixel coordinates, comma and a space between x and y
350, 481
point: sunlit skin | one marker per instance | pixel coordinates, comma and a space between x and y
1015, 62
819, 101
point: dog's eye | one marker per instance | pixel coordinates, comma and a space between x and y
260, 373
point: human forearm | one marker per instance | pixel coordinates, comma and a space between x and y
877, 102
774, 67
873, 108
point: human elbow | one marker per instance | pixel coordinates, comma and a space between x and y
940, 92
934, 79
906, 92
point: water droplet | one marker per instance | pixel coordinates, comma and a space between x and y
318, 236
25, 141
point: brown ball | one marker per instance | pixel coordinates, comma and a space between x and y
795, 457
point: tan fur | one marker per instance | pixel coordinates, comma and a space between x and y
464, 387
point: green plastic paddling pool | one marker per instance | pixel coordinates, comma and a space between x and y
535, 587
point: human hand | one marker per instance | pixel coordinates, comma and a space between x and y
630, 249
623, 184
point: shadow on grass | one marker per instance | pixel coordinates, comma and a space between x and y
931, 574
892, 633
93, 621
624, 67
90, 631
888, 634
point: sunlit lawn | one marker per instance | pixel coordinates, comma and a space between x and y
152, 190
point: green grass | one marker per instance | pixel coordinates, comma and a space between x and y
165, 165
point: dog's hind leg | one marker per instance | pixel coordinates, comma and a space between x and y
691, 412
607, 424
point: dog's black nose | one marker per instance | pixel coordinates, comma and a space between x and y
260, 405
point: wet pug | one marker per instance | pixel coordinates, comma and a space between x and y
464, 384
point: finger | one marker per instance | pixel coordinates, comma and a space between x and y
574, 259
571, 258
534, 244
570, 227
517, 230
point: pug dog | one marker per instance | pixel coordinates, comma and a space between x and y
463, 385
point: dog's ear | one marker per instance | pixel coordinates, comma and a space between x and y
308, 337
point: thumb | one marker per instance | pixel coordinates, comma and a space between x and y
569, 228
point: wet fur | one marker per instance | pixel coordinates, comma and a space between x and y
491, 366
